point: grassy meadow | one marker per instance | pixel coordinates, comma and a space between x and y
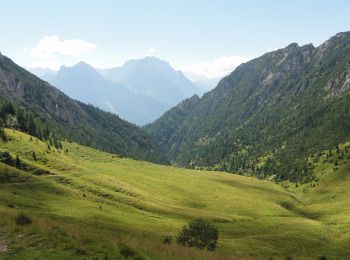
87, 204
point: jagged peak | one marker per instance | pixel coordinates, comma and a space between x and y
292, 45
82, 65
336, 38
308, 46
343, 34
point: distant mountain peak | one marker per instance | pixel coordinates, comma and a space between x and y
155, 78
83, 68
149, 61
83, 64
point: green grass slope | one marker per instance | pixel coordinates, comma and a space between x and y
94, 205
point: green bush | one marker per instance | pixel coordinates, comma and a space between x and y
128, 252
167, 239
199, 233
23, 220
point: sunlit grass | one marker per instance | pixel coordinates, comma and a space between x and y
92, 202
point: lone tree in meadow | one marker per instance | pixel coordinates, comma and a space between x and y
199, 233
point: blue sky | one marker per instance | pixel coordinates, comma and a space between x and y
199, 36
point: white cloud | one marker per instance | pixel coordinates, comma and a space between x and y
271, 49
149, 52
52, 45
215, 68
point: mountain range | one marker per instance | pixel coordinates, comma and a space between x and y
268, 116
140, 91
264, 119
153, 78
84, 83
69, 192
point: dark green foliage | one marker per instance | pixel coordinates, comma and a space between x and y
33, 106
18, 163
279, 108
23, 220
199, 233
128, 252
34, 156
6, 158
287, 205
16, 117
80, 251
167, 239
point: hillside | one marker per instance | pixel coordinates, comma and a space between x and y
71, 119
84, 83
267, 116
87, 204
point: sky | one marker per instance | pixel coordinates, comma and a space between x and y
202, 37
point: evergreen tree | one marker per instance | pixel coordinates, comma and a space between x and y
18, 162
34, 156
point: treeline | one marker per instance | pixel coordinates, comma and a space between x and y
15, 117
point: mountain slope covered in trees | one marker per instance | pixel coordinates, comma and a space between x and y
268, 115
70, 119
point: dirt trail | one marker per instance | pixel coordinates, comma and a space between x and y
3, 246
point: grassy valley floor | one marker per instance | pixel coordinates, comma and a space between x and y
86, 204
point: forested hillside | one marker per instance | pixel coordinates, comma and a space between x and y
267, 116
51, 113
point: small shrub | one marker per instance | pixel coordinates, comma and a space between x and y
167, 240
199, 233
79, 251
287, 205
127, 251
23, 220
34, 156
18, 162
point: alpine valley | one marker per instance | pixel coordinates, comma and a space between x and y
257, 168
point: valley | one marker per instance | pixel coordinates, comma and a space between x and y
91, 204
175, 130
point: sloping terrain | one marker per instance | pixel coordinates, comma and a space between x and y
267, 116
72, 119
85, 204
